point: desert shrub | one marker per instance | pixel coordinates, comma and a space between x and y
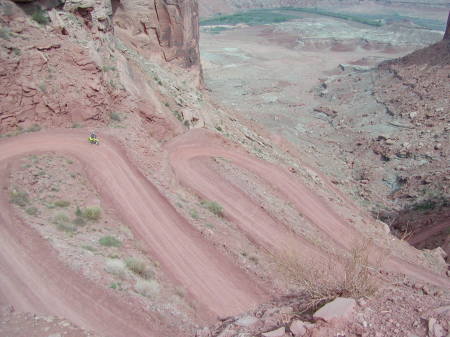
323, 281
148, 288
79, 221
116, 286
62, 222
115, 116
78, 212
91, 213
107, 68
110, 241
61, 217
213, 207
89, 248
34, 128
61, 203
116, 267
32, 211
139, 267
4, 33
40, 16
19, 197
194, 214
178, 115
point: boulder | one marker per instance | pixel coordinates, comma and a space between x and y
275, 333
339, 309
246, 321
434, 328
299, 328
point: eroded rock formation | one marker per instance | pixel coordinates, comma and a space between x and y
169, 27
65, 70
447, 30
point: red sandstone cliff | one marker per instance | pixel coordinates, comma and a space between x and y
68, 69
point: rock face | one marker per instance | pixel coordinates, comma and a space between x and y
447, 30
169, 27
66, 73
46, 79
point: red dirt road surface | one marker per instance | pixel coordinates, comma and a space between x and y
188, 154
32, 279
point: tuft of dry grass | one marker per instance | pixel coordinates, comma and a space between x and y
139, 267
147, 288
322, 281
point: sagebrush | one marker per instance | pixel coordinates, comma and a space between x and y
320, 282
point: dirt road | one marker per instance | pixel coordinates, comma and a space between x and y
189, 154
33, 280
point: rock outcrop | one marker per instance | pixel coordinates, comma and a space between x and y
447, 30
60, 66
169, 27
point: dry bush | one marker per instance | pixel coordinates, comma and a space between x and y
139, 267
147, 288
117, 268
322, 281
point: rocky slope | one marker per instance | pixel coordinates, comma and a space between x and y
415, 90
64, 66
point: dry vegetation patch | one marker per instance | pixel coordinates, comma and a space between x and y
339, 276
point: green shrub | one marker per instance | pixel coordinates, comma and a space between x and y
34, 128
110, 241
213, 207
40, 16
194, 214
139, 267
61, 203
19, 198
4, 33
78, 212
116, 285
106, 68
32, 211
91, 213
61, 217
62, 222
89, 248
115, 116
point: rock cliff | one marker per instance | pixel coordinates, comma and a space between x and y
169, 27
64, 65
447, 30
